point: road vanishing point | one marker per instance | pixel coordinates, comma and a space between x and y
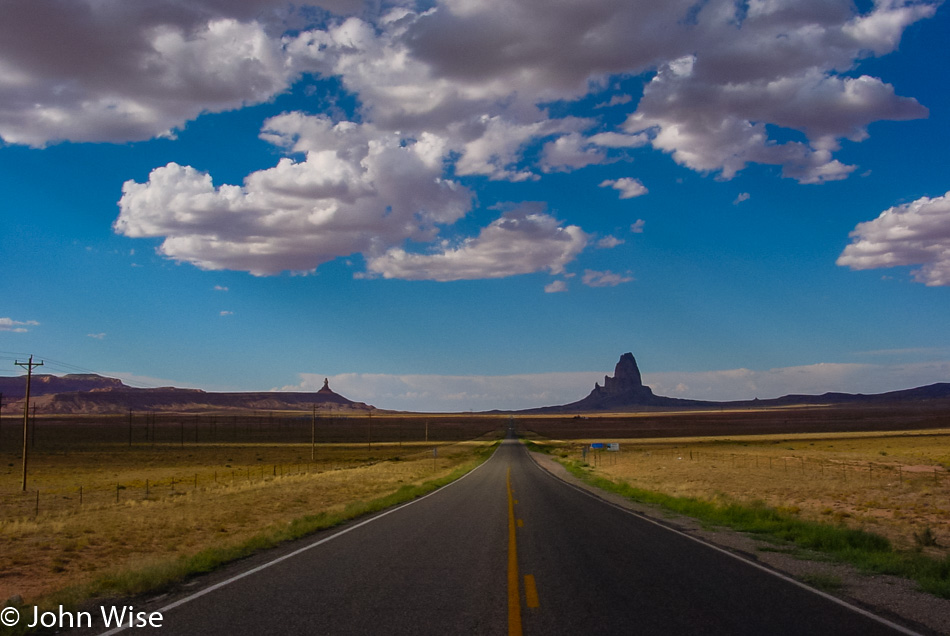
507, 549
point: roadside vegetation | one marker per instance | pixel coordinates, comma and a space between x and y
153, 515
880, 502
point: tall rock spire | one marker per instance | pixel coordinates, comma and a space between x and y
626, 376
625, 389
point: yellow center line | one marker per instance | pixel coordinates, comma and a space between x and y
514, 598
531, 592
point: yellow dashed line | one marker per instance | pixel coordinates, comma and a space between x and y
531, 592
514, 598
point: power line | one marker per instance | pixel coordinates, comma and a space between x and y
59, 365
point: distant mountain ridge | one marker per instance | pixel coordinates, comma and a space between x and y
14, 388
95, 394
625, 391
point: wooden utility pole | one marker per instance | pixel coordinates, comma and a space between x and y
26, 409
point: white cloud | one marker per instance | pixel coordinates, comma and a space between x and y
144, 69
743, 196
628, 188
555, 286
916, 233
455, 87
616, 100
637, 226
609, 242
522, 241
594, 278
8, 324
220, 288
570, 152
226, 313
619, 140
97, 336
357, 190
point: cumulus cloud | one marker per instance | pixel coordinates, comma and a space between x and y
775, 64
609, 242
522, 241
8, 324
356, 190
96, 336
144, 70
628, 187
593, 278
570, 152
916, 233
446, 91
555, 286
743, 196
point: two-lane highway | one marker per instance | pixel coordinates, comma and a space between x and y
508, 549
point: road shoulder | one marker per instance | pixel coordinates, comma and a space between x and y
891, 597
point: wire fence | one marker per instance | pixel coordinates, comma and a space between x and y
35, 502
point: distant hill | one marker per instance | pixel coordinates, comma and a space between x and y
625, 392
95, 394
14, 388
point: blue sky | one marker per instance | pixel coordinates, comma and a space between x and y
466, 205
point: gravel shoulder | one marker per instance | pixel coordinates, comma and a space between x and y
890, 597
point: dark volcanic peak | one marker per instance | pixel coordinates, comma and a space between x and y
626, 377
625, 392
621, 392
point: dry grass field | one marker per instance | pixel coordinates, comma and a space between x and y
894, 484
98, 507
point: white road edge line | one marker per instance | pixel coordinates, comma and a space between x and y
290, 555
739, 557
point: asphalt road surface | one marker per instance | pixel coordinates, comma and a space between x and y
508, 549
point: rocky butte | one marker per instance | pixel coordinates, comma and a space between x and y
620, 392
93, 394
625, 392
